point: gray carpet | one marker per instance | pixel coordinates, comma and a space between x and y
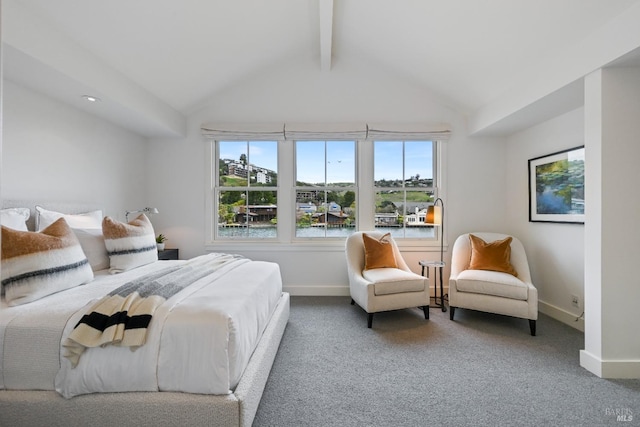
480, 370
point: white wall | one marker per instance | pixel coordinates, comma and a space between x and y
555, 251
612, 106
55, 152
475, 183
52, 152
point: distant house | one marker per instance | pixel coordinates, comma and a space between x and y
256, 213
417, 218
331, 218
383, 219
332, 207
306, 207
237, 169
262, 178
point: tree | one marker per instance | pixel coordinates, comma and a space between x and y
305, 220
348, 198
243, 159
332, 196
261, 198
223, 168
231, 197
226, 214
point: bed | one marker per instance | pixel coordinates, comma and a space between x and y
222, 392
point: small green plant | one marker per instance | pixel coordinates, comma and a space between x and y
161, 238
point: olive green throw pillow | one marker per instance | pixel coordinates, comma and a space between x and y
494, 256
378, 252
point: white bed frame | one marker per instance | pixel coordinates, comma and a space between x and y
34, 408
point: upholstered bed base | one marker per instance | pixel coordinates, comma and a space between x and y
48, 408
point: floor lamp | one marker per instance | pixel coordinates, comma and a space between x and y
435, 216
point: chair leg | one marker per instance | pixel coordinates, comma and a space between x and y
425, 308
370, 320
452, 310
352, 301
532, 326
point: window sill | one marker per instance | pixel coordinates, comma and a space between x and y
309, 246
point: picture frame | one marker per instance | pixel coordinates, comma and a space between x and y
556, 187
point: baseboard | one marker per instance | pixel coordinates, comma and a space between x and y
328, 291
318, 291
609, 368
561, 315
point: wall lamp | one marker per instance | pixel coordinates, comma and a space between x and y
146, 211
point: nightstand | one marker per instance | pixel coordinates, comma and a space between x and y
168, 254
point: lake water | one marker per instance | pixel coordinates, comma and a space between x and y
307, 232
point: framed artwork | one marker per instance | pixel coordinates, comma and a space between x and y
556, 187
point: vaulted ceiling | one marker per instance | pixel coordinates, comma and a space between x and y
160, 60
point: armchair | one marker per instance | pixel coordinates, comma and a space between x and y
492, 291
383, 289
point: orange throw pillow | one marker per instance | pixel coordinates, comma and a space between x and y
378, 253
494, 256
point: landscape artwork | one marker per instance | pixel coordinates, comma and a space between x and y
556, 187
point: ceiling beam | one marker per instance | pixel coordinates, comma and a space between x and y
326, 33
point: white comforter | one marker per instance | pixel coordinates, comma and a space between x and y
203, 346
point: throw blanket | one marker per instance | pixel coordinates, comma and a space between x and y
123, 316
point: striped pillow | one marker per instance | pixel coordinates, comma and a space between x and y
37, 264
129, 245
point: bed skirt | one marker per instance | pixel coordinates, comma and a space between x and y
48, 408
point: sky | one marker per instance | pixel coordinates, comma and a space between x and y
340, 159
388, 160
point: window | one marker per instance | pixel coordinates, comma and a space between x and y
325, 204
318, 189
404, 187
247, 189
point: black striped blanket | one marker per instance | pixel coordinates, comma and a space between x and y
123, 316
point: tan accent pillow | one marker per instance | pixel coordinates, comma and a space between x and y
494, 256
378, 253
37, 264
129, 245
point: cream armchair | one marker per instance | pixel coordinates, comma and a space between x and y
383, 289
492, 291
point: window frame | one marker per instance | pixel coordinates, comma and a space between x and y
286, 240
404, 189
216, 189
326, 188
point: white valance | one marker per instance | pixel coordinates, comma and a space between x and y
244, 132
324, 132
404, 132
321, 132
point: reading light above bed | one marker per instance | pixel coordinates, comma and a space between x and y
146, 211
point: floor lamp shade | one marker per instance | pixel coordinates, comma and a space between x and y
434, 215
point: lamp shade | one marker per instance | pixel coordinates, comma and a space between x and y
147, 211
434, 215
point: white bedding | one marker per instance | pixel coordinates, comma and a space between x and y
203, 346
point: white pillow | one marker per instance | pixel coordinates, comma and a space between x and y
45, 218
15, 218
92, 242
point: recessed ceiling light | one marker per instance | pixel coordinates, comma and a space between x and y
91, 98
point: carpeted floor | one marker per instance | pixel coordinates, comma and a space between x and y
480, 370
